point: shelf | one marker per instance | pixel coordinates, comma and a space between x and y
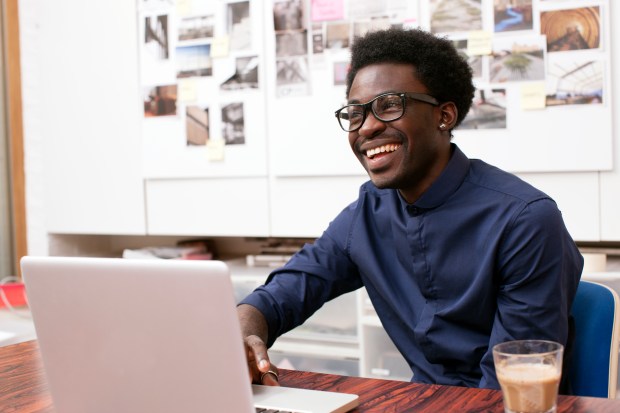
316, 348
371, 321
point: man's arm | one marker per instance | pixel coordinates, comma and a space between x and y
539, 270
316, 274
255, 334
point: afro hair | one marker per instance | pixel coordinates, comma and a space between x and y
437, 63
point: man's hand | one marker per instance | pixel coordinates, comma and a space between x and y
261, 369
254, 331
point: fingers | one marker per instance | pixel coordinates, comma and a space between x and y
258, 351
260, 367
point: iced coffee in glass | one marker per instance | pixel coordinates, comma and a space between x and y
529, 374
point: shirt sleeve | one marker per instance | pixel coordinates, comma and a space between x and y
539, 269
318, 273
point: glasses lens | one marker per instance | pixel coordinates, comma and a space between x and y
388, 107
351, 117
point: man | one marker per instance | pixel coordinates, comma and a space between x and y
456, 255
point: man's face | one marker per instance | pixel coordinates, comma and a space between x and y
405, 154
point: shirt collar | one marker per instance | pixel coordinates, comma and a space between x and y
447, 183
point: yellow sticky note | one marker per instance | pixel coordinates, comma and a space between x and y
186, 90
479, 42
215, 149
533, 96
220, 46
184, 7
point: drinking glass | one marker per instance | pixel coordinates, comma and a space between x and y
529, 374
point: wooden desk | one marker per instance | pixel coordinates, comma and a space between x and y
23, 389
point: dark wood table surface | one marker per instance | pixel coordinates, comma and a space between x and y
23, 389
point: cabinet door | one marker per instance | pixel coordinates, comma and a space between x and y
89, 117
217, 207
304, 206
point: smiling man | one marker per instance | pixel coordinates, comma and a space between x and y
456, 255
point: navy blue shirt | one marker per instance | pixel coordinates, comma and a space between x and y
480, 258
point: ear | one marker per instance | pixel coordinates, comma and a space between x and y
448, 114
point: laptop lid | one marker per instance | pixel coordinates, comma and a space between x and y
137, 335
120, 335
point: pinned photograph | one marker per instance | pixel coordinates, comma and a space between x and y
361, 27
511, 15
475, 61
233, 124
245, 76
488, 110
571, 29
197, 125
365, 9
574, 82
519, 59
318, 40
340, 72
292, 76
196, 27
291, 43
239, 25
160, 101
156, 42
288, 15
448, 16
337, 35
194, 61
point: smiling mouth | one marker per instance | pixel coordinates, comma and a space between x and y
371, 153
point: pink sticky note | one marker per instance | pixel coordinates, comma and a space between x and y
327, 10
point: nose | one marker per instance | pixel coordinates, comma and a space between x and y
371, 126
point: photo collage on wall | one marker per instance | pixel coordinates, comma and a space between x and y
546, 52
201, 62
313, 33
195, 58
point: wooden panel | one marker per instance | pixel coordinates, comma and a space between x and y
16, 132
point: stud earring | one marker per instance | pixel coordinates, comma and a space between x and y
442, 126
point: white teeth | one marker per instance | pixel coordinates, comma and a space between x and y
385, 148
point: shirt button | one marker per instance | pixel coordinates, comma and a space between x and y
413, 210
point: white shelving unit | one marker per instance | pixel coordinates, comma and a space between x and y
381, 359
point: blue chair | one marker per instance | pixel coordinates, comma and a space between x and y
594, 364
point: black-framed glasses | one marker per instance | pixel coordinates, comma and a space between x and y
387, 107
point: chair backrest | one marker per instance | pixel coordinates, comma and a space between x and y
594, 363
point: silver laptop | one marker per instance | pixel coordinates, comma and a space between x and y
151, 336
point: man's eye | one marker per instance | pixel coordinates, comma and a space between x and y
356, 114
390, 104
